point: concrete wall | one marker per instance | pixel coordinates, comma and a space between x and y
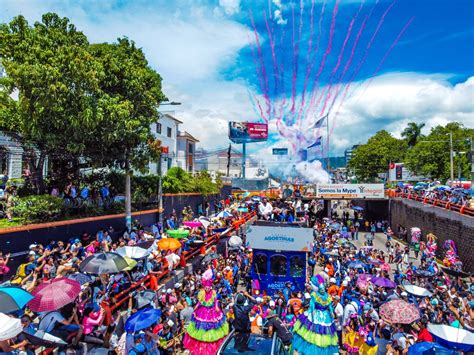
443, 223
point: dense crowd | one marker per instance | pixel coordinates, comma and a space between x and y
348, 289
455, 196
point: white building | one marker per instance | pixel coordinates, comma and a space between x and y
186, 152
166, 130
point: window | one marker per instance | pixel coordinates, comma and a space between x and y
158, 128
278, 265
169, 132
190, 149
260, 264
296, 266
4, 155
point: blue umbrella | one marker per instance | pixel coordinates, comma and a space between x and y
356, 265
142, 319
13, 298
427, 348
81, 278
224, 214
357, 208
452, 337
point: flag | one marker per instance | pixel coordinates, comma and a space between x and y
320, 122
318, 142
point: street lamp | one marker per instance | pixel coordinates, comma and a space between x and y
160, 186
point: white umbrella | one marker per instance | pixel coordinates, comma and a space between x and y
224, 214
235, 241
417, 291
132, 252
9, 327
206, 222
452, 338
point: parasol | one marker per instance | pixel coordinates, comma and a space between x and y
131, 263
224, 214
429, 348
383, 282
209, 257
193, 224
169, 244
177, 233
235, 241
424, 273
452, 338
385, 267
206, 222
357, 208
81, 278
364, 277
103, 263
54, 294
142, 319
132, 252
399, 311
454, 272
356, 264
145, 244
13, 298
41, 338
417, 291
9, 327
342, 241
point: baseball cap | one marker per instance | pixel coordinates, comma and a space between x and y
272, 303
332, 280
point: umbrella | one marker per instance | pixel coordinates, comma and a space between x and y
385, 267
103, 263
428, 348
13, 298
242, 209
145, 297
454, 272
452, 338
335, 226
41, 338
364, 277
417, 291
209, 257
224, 214
206, 222
357, 208
399, 311
169, 244
177, 233
341, 241
146, 244
9, 327
131, 263
424, 273
367, 247
383, 282
54, 294
81, 278
356, 264
142, 319
133, 252
235, 241
193, 224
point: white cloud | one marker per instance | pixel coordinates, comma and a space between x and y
230, 7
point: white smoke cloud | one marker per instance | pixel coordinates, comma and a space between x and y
277, 14
230, 7
313, 171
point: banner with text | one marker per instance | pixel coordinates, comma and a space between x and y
280, 238
350, 191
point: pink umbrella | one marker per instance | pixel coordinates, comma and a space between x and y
385, 267
54, 294
193, 224
399, 311
364, 277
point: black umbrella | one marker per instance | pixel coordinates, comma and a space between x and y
424, 273
209, 257
41, 338
145, 244
103, 263
454, 272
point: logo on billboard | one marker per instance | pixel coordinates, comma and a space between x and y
361, 188
248, 132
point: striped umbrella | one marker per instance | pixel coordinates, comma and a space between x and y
54, 294
103, 263
399, 311
13, 298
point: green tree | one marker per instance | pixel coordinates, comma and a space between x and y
430, 157
127, 101
412, 132
374, 157
51, 69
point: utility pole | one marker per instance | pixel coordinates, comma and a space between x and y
160, 192
229, 152
451, 158
244, 156
471, 155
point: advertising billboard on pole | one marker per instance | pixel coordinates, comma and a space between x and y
248, 132
350, 191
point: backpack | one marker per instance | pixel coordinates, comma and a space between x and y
20, 273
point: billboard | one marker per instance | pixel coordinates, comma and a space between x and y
398, 172
350, 191
247, 132
280, 151
280, 238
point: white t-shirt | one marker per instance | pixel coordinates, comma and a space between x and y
265, 210
339, 311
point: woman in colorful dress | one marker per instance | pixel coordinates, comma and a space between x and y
315, 329
208, 326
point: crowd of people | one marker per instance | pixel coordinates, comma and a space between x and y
455, 196
358, 299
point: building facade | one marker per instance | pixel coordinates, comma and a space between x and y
186, 152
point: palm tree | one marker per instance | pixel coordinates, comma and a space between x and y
412, 132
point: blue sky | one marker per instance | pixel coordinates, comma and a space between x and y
203, 50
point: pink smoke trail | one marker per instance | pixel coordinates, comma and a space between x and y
339, 58
328, 50
313, 61
262, 65
293, 78
272, 48
298, 47
378, 67
254, 56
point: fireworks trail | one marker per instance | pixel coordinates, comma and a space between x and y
254, 56
339, 58
293, 77
328, 50
262, 65
272, 47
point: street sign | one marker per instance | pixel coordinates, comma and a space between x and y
280, 151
